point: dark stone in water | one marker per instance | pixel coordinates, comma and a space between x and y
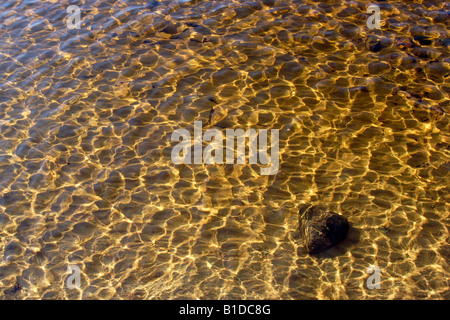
375, 47
321, 229
376, 44
424, 41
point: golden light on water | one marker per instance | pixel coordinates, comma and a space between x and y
86, 176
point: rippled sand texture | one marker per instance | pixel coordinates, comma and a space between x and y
86, 178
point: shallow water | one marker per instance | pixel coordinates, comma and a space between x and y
87, 180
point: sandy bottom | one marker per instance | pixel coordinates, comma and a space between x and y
87, 179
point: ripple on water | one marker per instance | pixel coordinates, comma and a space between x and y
86, 118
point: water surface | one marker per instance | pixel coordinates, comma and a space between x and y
86, 177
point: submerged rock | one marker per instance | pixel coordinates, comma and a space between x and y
321, 229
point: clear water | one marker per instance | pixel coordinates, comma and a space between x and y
86, 177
